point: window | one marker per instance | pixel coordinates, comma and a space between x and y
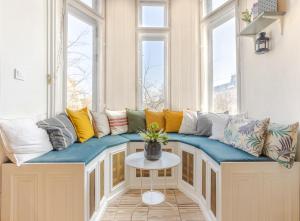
90, 3
153, 14
224, 67
211, 5
83, 56
153, 55
81, 60
153, 73
220, 61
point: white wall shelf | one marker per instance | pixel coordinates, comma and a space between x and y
261, 22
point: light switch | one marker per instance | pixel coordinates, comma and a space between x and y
18, 75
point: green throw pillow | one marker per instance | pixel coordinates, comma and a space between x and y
136, 120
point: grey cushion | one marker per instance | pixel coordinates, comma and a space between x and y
204, 125
60, 130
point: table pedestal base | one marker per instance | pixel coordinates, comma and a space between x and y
153, 197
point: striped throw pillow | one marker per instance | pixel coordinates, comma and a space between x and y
117, 121
60, 130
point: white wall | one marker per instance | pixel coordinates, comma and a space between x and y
185, 50
23, 45
271, 82
120, 52
23, 28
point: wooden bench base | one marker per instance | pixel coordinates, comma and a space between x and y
240, 191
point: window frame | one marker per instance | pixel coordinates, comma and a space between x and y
95, 18
218, 17
98, 9
142, 3
150, 33
94, 3
152, 37
206, 14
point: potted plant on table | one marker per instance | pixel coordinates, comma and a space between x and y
154, 138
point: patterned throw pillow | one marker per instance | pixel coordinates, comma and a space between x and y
117, 121
60, 130
281, 143
246, 134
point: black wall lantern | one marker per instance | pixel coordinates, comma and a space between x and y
262, 44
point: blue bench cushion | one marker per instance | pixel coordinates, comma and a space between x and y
81, 152
218, 151
221, 152
138, 138
86, 152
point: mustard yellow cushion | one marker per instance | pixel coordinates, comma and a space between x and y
173, 121
153, 116
82, 124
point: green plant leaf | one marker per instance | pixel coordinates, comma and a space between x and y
153, 134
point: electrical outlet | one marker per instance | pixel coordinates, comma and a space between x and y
18, 75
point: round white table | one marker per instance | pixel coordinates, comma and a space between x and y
138, 161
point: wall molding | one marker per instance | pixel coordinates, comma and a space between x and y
51, 56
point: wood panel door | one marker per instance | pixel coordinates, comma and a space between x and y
118, 168
92, 193
213, 192
188, 167
203, 190
102, 180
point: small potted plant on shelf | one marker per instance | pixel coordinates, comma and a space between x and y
246, 16
154, 138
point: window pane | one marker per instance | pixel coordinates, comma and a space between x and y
153, 16
89, 3
153, 74
211, 5
224, 67
80, 63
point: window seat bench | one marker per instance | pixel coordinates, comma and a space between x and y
86, 152
81, 152
217, 150
76, 184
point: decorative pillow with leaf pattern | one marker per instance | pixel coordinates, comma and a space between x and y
281, 143
246, 134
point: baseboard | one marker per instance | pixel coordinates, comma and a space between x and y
120, 192
104, 205
101, 211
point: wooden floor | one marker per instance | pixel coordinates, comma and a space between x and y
178, 208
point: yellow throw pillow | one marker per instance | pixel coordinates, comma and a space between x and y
153, 116
82, 124
173, 121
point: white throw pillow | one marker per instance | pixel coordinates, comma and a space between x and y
23, 140
189, 122
219, 122
117, 121
101, 124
